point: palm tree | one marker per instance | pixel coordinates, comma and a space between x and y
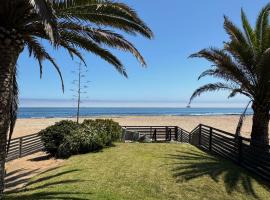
244, 66
75, 25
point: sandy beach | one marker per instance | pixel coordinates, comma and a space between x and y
227, 123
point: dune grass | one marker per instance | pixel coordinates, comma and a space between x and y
145, 171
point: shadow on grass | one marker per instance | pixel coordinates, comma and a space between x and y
41, 191
191, 165
48, 195
20, 177
17, 177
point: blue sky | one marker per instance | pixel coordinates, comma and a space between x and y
181, 27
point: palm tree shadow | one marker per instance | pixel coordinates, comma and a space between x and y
192, 165
30, 191
17, 178
48, 195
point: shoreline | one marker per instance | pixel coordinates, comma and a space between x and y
48, 113
120, 116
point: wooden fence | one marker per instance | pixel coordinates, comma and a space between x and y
161, 133
237, 149
23, 146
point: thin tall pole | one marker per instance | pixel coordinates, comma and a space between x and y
79, 94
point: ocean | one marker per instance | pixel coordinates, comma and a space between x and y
114, 112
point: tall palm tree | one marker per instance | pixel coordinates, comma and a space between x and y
244, 66
75, 25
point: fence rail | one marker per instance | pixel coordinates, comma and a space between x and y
23, 146
159, 133
237, 149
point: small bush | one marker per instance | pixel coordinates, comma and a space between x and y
100, 127
53, 136
113, 128
79, 142
68, 138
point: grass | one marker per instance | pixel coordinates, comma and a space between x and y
145, 171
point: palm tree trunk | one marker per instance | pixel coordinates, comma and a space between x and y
259, 134
8, 57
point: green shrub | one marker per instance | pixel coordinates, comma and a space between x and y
53, 136
101, 131
79, 142
68, 138
113, 129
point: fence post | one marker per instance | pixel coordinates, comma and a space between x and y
155, 135
210, 139
167, 136
170, 134
181, 135
200, 132
20, 147
151, 132
176, 133
124, 134
240, 142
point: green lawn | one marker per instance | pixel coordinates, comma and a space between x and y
145, 171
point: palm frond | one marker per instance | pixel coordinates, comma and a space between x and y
72, 50
234, 32
40, 54
36, 31
90, 46
101, 36
45, 11
108, 13
236, 91
13, 108
80, 27
250, 34
210, 88
239, 48
217, 73
225, 63
262, 69
241, 120
242, 54
262, 25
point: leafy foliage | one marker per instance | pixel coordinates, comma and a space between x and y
81, 141
68, 138
110, 126
104, 135
53, 136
